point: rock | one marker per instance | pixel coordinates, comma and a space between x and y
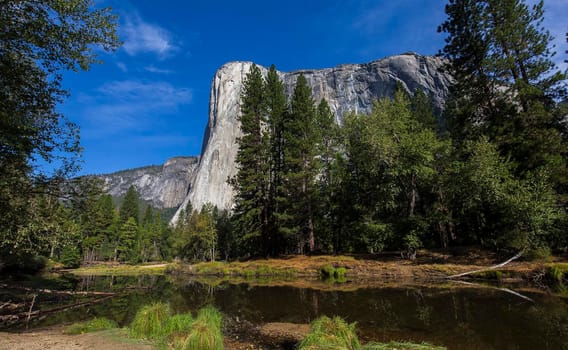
281, 332
349, 87
164, 186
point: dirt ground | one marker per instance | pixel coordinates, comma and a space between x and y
269, 336
54, 339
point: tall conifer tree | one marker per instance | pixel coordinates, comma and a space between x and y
251, 213
300, 138
275, 100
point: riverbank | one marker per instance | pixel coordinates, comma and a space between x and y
429, 266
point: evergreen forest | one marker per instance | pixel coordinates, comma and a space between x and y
489, 171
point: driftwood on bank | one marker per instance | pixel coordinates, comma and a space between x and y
519, 254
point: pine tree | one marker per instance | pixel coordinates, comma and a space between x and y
505, 81
328, 150
275, 100
127, 240
251, 213
300, 164
130, 206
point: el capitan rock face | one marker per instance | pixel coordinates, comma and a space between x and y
347, 88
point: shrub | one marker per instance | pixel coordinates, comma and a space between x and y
148, 322
96, 324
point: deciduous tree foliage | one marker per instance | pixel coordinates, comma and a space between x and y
38, 41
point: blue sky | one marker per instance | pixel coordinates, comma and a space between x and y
149, 100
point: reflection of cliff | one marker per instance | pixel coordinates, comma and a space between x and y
350, 87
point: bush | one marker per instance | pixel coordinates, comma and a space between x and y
96, 324
149, 321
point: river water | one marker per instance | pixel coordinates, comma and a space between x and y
456, 316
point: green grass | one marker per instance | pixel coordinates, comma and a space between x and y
205, 332
180, 331
332, 274
149, 321
177, 325
336, 334
330, 333
94, 325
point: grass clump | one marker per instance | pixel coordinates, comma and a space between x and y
149, 321
205, 332
177, 325
336, 334
94, 325
330, 273
331, 333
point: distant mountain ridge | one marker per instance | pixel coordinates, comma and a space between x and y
164, 186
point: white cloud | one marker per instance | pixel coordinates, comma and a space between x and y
143, 37
130, 105
154, 69
122, 67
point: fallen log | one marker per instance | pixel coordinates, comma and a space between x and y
50, 291
519, 254
28, 315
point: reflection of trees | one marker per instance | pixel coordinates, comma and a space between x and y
458, 318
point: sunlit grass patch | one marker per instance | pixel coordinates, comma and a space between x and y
330, 333
149, 321
205, 332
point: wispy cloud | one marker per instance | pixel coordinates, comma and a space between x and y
143, 37
130, 105
154, 69
122, 67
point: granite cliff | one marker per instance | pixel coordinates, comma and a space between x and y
165, 186
348, 87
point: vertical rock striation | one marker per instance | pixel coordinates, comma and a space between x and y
347, 88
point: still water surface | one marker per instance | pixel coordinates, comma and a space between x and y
458, 317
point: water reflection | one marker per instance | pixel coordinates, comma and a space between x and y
457, 317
